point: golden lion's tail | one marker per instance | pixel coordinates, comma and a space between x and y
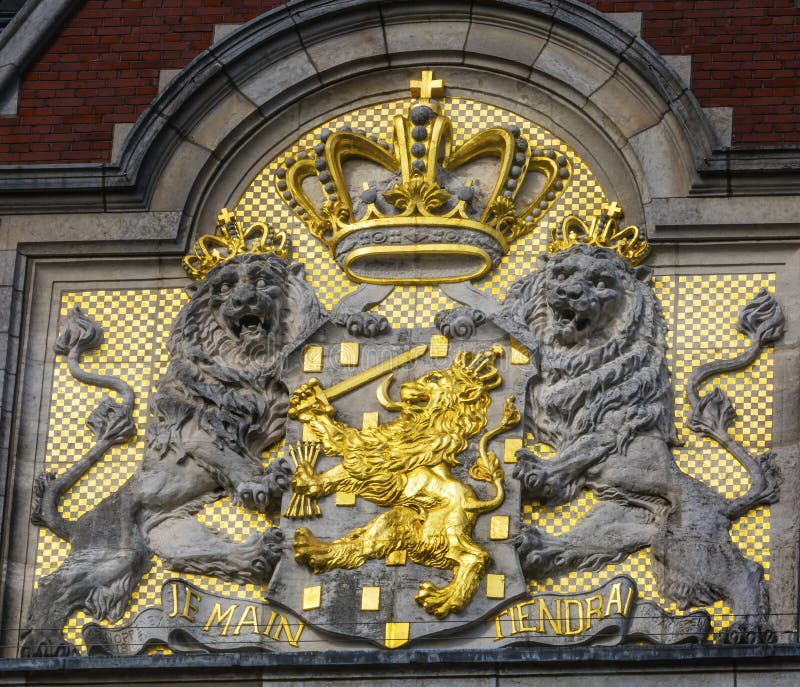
487, 467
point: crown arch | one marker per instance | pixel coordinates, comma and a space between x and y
588, 81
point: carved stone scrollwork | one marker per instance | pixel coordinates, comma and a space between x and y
351, 311
459, 323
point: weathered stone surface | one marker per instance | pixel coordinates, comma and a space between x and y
629, 20
78, 227
440, 31
276, 79
645, 109
664, 159
508, 41
566, 57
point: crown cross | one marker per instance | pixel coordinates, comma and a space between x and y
224, 218
427, 87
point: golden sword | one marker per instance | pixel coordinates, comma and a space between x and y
368, 375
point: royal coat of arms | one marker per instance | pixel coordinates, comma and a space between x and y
393, 458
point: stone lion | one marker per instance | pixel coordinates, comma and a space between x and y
601, 396
217, 407
405, 465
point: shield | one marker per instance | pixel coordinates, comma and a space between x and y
395, 527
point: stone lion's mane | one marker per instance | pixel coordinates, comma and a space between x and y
429, 435
233, 383
620, 385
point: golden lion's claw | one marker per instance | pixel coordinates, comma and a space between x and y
307, 400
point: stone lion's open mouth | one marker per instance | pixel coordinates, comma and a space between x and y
249, 325
568, 317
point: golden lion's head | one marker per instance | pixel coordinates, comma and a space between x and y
451, 402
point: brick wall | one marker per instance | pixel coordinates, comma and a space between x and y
745, 55
103, 67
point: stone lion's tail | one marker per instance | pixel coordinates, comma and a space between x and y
111, 421
761, 320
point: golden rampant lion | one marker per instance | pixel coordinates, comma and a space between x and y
406, 466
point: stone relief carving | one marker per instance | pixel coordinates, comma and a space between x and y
417, 543
220, 403
602, 398
459, 323
405, 465
351, 311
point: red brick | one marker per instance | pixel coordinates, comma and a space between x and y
103, 67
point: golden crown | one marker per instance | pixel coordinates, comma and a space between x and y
401, 214
603, 232
480, 366
231, 240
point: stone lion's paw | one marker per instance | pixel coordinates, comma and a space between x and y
267, 548
253, 496
41, 642
749, 631
539, 480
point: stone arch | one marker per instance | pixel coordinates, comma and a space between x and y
590, 81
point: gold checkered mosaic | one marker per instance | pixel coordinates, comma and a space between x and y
700, 311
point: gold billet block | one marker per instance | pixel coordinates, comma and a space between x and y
519, 353
510, 448
396, 557
439, 346
498, 527
495, 586
348, 353
370, 598
312, 358
312, 598
396, 634
369, 420
344, 498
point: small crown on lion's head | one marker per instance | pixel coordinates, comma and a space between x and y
603, 232
230, 240
480, 366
